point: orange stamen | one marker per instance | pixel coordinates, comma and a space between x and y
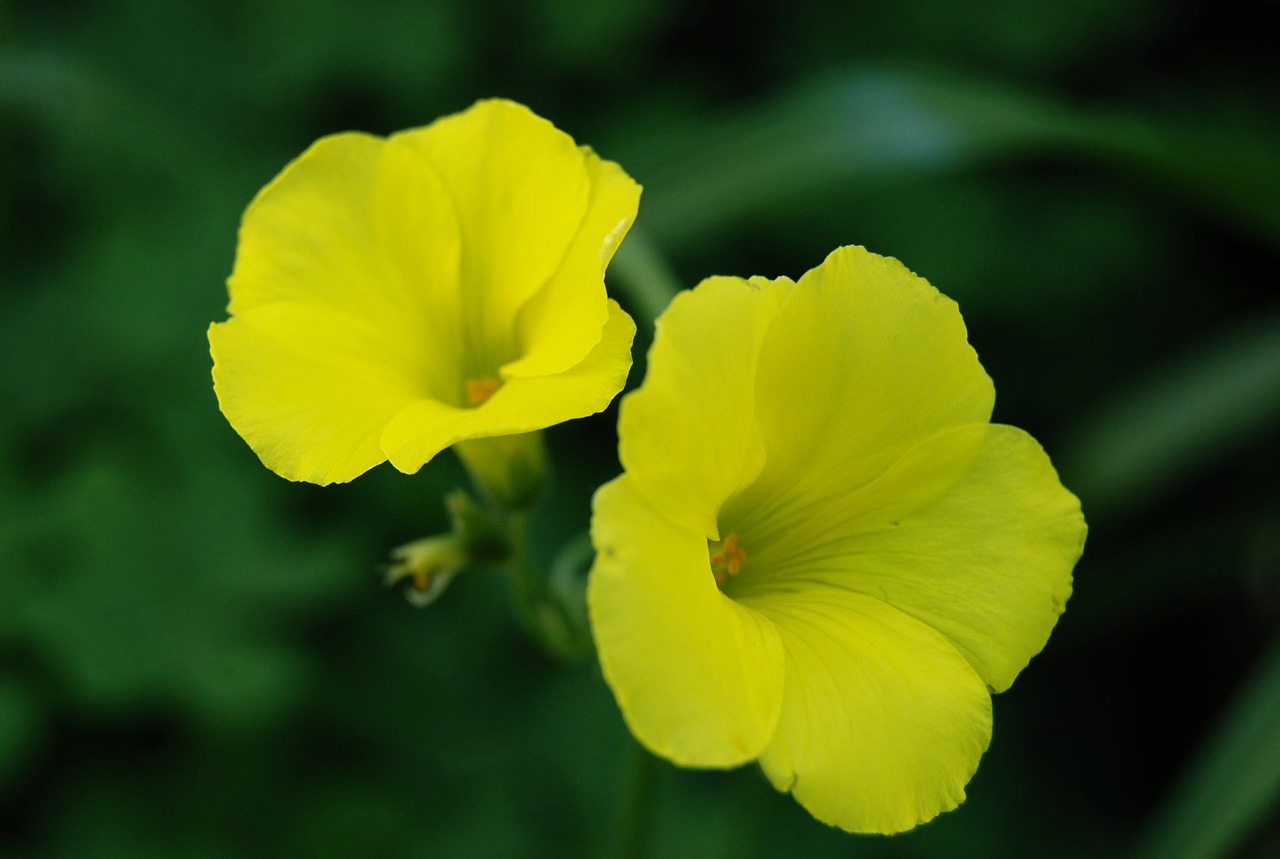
481, 389
727, 557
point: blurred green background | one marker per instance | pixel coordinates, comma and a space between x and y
197, 658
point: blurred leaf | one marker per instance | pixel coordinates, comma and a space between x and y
599, 33
92, 120
1186, 415
1230, 169
20, 729
1234, 782
869, 126
861, 127
1025, 38
97, 818
139, 593
302, 51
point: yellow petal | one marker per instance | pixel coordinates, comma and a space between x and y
306, 236
688, 436
520, 190
417, 230
310, 388
863, 361
427, 426
882, 722
697, 676
970, 532
363, 227
562, 321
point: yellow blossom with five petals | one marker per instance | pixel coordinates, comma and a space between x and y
394, 296
822, 556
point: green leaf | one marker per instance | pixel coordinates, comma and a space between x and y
865, 127
1233, 784
1187, 415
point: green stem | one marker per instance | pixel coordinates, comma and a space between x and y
644, 274
635, 810
542, 611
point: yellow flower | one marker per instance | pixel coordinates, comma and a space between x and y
822, 556
392, 297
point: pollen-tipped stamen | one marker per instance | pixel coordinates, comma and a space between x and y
481, 388
727, 557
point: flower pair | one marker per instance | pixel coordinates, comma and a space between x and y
822, 555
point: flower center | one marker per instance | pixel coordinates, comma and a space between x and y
481, 389
727, 558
